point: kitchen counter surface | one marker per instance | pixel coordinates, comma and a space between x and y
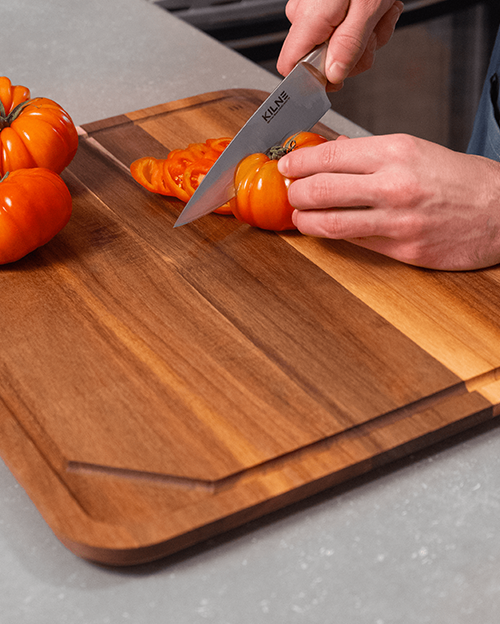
101, 59
415, 542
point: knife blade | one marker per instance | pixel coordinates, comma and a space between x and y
299, 101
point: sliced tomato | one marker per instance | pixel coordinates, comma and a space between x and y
147, 171
181, 172
219, 145
194, 174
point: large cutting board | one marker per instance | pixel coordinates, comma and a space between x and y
159, 386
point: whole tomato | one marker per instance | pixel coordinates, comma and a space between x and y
35, 204
261, 197
33, 133
261, 192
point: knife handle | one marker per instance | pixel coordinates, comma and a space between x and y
315, 61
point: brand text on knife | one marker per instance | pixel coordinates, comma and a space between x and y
275, 108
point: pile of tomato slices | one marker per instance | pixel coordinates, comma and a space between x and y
180, 174
261, 192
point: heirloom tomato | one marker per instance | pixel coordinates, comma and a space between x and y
33, 132
261, 192
35, 204
180, 173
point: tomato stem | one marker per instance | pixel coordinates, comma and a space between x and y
3, 121
14, 114
4, 176
6, 120
277, 151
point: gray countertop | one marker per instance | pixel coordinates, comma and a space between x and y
416, 542
100, 59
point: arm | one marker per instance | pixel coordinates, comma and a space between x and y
407, 198
357, 29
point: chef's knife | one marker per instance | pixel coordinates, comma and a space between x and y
295, 105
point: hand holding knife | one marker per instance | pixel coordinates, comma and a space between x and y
299, 101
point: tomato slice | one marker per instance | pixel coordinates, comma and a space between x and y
219, 145
174, 167
225, 209
201, 150
157, 179
146, 171
194, 174
181, 172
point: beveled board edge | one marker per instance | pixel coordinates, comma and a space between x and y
327, 464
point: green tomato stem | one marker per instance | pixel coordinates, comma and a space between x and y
277, 151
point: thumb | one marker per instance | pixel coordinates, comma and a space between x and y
355, 36
345, 49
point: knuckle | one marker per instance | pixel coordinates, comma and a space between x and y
350, 41
328, 156
308, 161
321, 191
401, 192
411, 231
403, 188
409, 227
339, 224
333, 224
404, 148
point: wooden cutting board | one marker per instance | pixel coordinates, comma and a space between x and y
159, 386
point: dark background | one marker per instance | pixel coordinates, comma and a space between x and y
426, 81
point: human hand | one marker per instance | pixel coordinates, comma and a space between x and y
356, 28
401, 196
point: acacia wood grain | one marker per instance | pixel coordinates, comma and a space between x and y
161, 385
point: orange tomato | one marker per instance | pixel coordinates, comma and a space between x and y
35, 204
33, 133
261, 192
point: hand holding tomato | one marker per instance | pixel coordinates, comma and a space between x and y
261, 192
401, 196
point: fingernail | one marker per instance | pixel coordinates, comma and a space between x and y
337, 72
397, 14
